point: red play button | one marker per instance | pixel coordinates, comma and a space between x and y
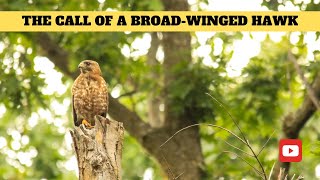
290, 150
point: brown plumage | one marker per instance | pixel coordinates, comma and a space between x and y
89, 94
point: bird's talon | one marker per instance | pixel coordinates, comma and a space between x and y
87, 124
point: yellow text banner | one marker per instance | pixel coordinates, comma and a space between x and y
106, 21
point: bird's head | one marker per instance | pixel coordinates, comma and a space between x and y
90, 67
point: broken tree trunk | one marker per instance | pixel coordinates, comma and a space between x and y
99, 149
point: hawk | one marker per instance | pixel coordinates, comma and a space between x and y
89, 94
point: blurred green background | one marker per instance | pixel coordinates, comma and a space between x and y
248, 72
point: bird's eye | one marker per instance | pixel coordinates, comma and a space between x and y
87, 63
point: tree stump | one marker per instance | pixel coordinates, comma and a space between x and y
99, 149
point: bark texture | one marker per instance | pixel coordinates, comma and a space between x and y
99, 150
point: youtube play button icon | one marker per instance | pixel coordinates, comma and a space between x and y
290, 150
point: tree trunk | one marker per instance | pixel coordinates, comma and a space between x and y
155, 116
99, 150
181, 157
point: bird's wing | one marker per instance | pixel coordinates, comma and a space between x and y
75, 118
104, 114
107, 102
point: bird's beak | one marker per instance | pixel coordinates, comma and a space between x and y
81, 67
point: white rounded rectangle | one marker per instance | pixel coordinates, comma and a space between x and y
290, 150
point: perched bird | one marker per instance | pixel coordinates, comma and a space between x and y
89, 94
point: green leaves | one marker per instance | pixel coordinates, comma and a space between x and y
188, 92
315, 148
19, 81
268, 88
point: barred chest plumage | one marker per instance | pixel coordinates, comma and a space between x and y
90, 97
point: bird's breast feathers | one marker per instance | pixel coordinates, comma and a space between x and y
89, 85
90, 94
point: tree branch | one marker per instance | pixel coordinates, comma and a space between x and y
132, 122
130, 93
55, 53
310, 91
294, 122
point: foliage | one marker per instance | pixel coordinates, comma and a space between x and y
267, 89
315, 149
